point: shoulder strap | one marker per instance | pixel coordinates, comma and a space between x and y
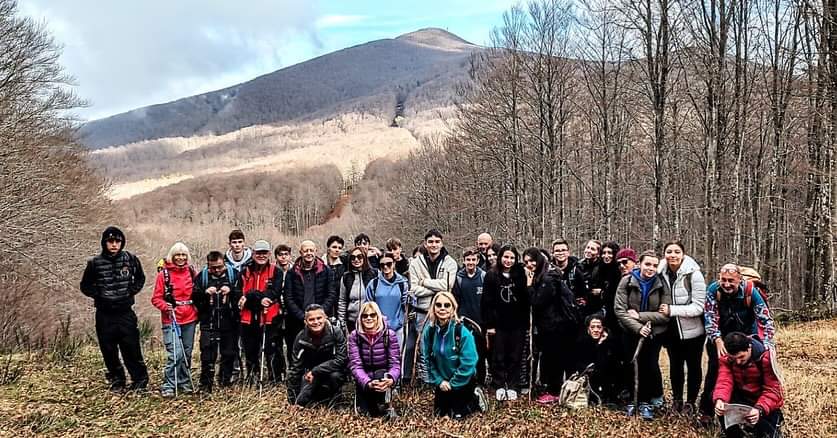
166, 278
748, 293
457, 337
374, 288
205, 277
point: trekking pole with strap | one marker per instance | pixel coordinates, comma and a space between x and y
634, 360
262, 353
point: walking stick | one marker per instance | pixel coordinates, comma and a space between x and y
636, 370
262, 354
174, 329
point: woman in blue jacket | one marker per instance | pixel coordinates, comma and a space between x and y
450, 357
389, 291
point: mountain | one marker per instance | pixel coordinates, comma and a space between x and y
417, 70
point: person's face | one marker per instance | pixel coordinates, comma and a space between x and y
648, 267
396, 252
216, 268
443, 309
491, 256
283, 258
742, 357
362, 244
483, 242
113, 245
180, 259
237, 246
387, 265
356, 258
529, 263
729, 281
261, 257
315, 320
607, 254
433, 245
626, 265
335, 249
561, 252
595, 329
674, 256
470, 262
591, 251
308, 253
368, 320
508, 260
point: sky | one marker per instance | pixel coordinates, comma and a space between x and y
129, 54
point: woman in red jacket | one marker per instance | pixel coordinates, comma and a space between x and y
173, 296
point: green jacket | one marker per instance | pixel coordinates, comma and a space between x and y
456, 368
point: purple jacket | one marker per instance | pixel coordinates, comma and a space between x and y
366, 356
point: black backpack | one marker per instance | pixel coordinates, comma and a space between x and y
468, 323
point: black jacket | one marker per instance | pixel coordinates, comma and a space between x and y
113, 280
591, 278
212, 313
324, 292
327, 357
505, 304
553, 306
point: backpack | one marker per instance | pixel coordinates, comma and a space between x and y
748, 292
472, 326
401, 286
576, 392
230, 275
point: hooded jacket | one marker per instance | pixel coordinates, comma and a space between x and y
368, 354
241, 264
686, 308
756, 380
442, 362
553, 307
258, 282
322, 359
423, 285
468, 292
112, 280
182, 286
391, 297
629, 296
319, 279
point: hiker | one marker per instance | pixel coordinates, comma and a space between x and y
505, 313
353, 287
626, 257
610, 276
238, 255
216, 291
685, 335
402, 263
468, 290
112, 279
338, 261
261, 285
318, 369
373, 254
595, 346
732, 305
450, 357
588, 291
432, 271
555, 321
491, 256
389, 292
638, 301
746, 376
566, 265
282, 255
308, 282
375, 362
173, 297
484, 241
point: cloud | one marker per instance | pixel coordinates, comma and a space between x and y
129, 54
330, 21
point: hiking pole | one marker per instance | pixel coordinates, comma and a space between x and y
262, 354
174, 330
636, 369
416, 349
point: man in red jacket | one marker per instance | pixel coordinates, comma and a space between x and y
746, 376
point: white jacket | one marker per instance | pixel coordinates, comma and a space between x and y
423, 288
687, 309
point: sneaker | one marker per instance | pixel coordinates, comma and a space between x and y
390, 415
524, 392
117, 386
501, 395
646, 411
657, 402
167, 393
547, 398
631, 411
482, 400
138, 386
511, 394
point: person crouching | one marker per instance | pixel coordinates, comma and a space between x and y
374, 360
319, 360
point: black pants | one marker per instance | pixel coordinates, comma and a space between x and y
458, 402
252, 336
768, 426
707, 406
321, 389
648, 361
215, 343
508, 357
556, 359
623, 373
117, 333
482, 357
688, 353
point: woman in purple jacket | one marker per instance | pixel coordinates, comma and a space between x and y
374, 358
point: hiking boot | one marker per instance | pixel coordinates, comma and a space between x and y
547, 398
501, 395
117, 386
482, 400
205, 389
646, 411
140, 386
630, 411
390, 415
511, 394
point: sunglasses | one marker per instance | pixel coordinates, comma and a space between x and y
356, 257
369, 316
386, 264
443, 305
730, 271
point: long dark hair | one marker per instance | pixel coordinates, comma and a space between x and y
365, 260
541, 266
498, 267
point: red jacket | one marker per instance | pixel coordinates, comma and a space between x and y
756, 382
181, 282
260, 284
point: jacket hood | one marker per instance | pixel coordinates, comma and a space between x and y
319, 265
442, 253
688, 266
112, 232
248, 255
398, 278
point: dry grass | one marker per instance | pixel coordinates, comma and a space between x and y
71, 400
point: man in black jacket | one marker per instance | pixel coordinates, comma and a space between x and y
216, 291
319, 360
112, 278
308, 282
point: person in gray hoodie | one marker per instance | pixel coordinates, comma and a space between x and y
238, 256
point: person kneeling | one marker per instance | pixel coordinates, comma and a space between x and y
374, 359
450, 357
746, 376
319, 360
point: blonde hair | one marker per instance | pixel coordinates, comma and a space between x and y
432, 313
179, 248
370, 305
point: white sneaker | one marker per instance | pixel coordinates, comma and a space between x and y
511, 394
501, 395
482, 400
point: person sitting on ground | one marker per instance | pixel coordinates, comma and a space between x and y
596, 347
374, 360
450, 357
319, 362
746, 376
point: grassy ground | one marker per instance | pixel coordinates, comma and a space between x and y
68, 397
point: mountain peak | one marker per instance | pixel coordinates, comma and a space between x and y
438, 38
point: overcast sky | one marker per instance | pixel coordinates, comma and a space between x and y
128, 54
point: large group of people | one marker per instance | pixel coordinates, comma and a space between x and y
519, 324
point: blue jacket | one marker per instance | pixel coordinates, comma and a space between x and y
390, 296
442, 363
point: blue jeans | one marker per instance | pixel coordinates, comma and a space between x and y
183, 362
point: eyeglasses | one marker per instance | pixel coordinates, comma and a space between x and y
386, 264
623, 261
215, 268
369, 316
356, 257
443, 305
730, 271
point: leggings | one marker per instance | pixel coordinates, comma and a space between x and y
688, 353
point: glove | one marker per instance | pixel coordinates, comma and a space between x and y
168, 295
